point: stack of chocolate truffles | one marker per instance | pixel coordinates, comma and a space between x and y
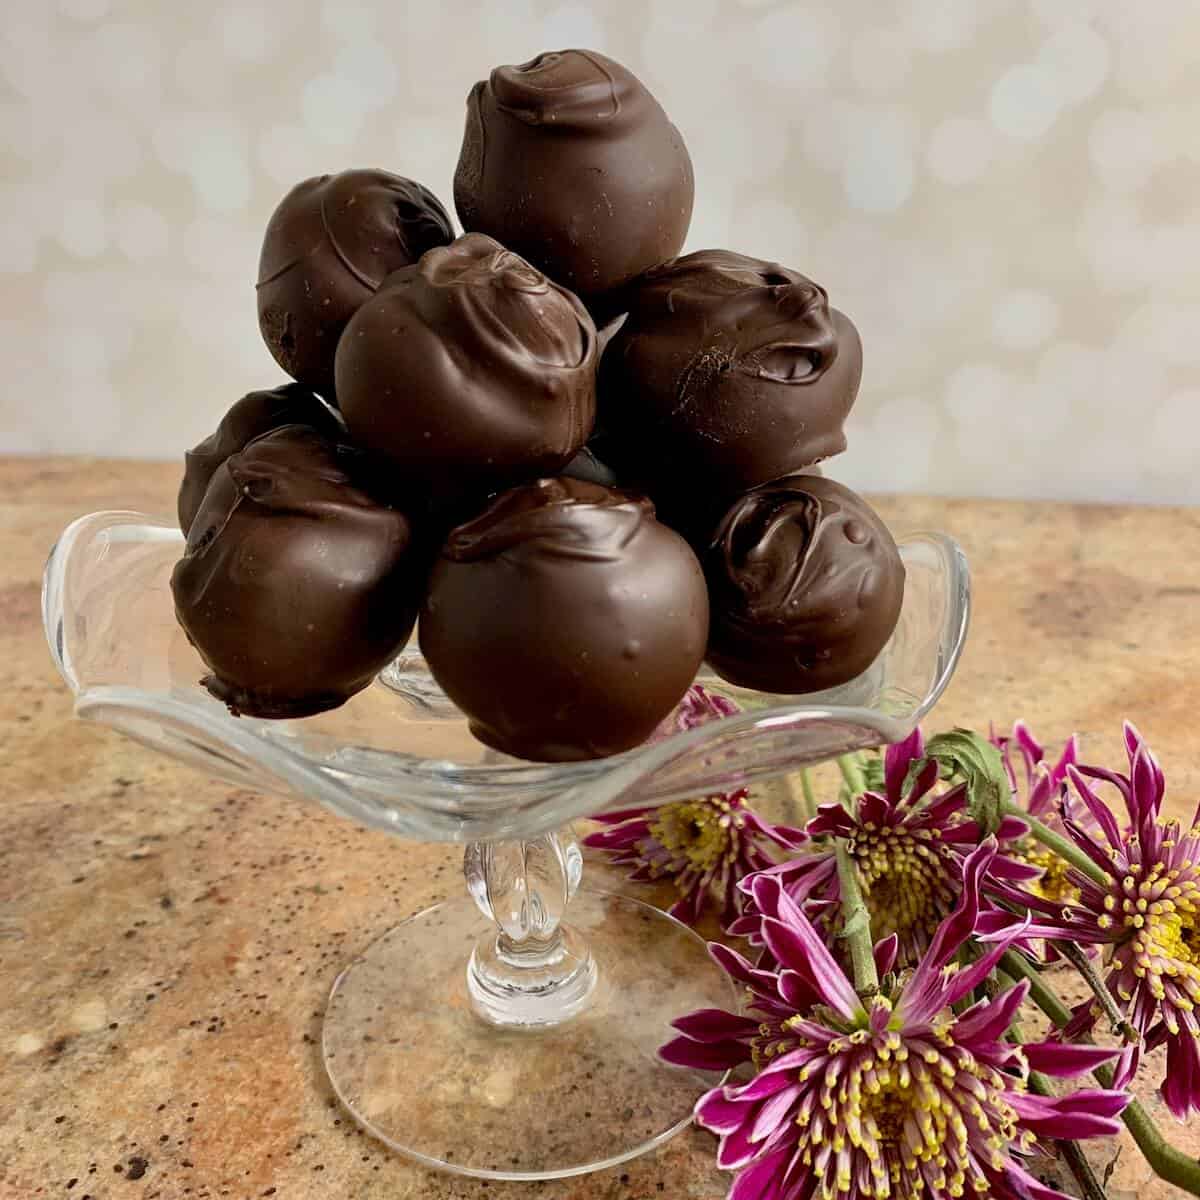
578, 463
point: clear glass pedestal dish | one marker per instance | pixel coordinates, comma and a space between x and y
510, 1033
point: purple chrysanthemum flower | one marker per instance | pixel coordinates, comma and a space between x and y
1147, 912
907, 844
698, 707
704, 846
893, 1096
1040, 787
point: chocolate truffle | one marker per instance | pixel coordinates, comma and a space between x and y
328, 246
805, 584
296, 586
728, 372
253, 415
565, 621
570, 162
471, 370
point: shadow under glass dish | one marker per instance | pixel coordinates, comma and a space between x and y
538, 1059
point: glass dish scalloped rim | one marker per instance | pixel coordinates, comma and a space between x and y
430, 798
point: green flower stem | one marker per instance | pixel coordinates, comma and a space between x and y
1167, 1162
806, 790
852, 774
1080, 961
1055, 842
1019, 967
856, 924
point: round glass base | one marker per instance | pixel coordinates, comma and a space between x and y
417, 1067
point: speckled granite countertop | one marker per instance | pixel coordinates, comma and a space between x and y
167, 942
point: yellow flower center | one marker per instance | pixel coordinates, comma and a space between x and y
700, 831
921, 1112
905, 880
1055, 883
1161, 912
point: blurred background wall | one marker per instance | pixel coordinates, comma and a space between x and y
1004, 194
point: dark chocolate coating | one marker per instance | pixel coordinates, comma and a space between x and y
471, 370
329, 245
565, 621
805, 584
253, 415
570, 162
728, 372
296, 586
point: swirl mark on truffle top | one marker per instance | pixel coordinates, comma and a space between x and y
296, 470
287, 264
509, 303
368, 282
358, 212
562, 517
557, 88
795, 547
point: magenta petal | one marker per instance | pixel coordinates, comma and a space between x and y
1128, 1061
739, 968
831, 819
1066, 1059
1027, 1187
1091, 1102
995, 921
715, 1111
1069, 755
801, 949
736, 1148
1147, 780
925, 988
773, 1079
1030, 746
704, 1056
885, 953
619, 836
714, 1025
1099, 810
762, 1180
1012, 871
990, 1020
971, 977
773, 1113
795, 991
897, 759
926, 778
1181, 1084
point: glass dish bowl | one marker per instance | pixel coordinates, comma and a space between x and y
487, 1035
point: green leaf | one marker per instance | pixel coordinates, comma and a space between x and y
965, 755
871, 765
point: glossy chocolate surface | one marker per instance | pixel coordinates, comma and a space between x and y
806, 585
296, 586
570, 162
329, 245
565, 621
253, 415
728, 372
472, 371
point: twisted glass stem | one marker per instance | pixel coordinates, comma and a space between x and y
531, 970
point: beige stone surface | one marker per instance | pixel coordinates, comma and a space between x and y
166, 942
